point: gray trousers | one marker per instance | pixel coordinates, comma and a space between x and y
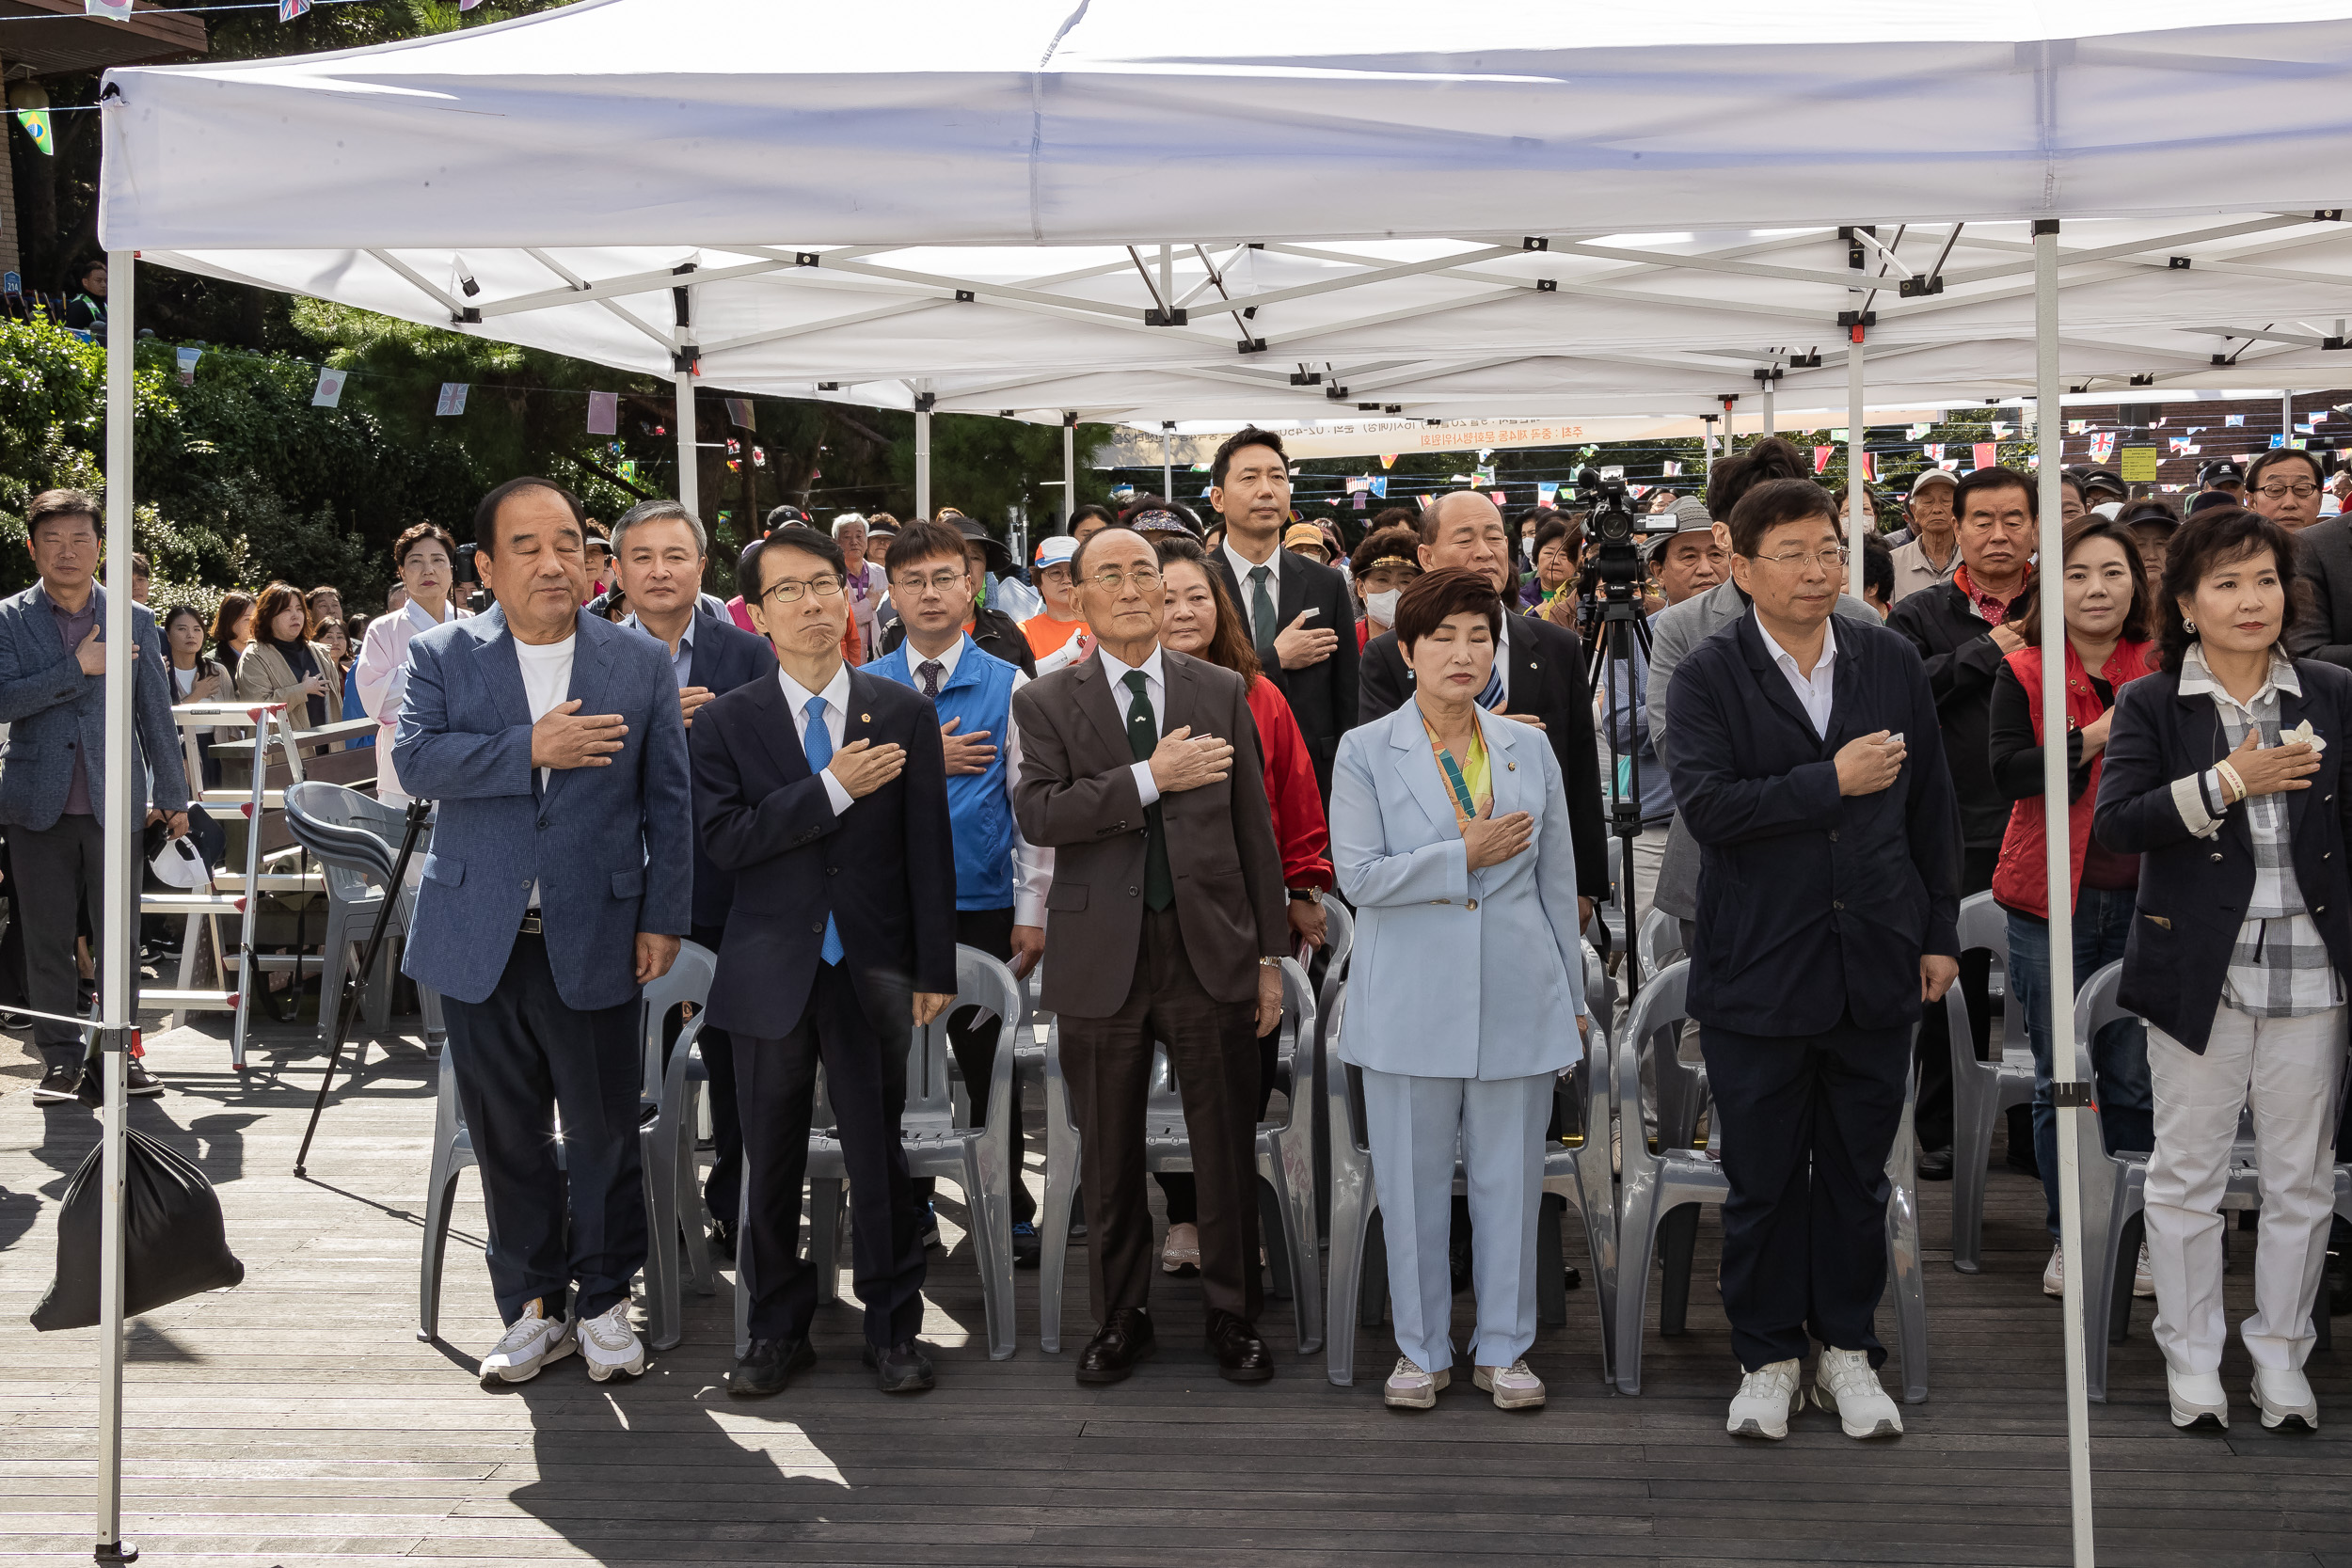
59, 873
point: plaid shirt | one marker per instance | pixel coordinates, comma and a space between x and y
2279, 966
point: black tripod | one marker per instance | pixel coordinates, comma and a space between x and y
417, 812
1618, 627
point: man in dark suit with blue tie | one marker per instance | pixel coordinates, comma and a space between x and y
556, 887
1808, 765
658, 553
823, 792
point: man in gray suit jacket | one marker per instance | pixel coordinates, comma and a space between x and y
1677, 630
558, 885
53, 786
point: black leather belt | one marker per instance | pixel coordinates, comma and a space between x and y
530, 927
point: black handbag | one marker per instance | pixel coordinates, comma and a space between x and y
174, 1245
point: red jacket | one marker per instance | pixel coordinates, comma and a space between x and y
2021, 880
1300, 827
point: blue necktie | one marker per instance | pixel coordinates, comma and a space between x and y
818, 746
1493, 694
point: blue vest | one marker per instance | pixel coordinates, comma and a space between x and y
980, 694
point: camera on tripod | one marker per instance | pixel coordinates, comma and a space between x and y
1613, 527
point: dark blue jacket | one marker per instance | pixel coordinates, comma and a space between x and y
1811, 904
2193, 891
725, 657
884, 869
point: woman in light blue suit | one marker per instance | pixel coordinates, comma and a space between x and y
1450, 835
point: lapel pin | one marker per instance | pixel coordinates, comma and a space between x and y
864, 718
1510, 767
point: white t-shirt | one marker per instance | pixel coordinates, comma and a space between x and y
546, 669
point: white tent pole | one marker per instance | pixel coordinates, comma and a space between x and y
1167, 460
689, 451
923, 454
125, 791
2286, 417
1069, 471
1768, 406
1709, 438
2072, 1096
1858, 518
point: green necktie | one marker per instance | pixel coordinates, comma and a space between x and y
1262, 613
1143, 739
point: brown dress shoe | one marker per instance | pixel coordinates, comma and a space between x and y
1114, 1351
1241, 1356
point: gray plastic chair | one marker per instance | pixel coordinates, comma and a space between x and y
1573, 1175
1608, 914
689, 980
1983, 1092
939, 1143
1286, 1169
355, 841
1657, 1184
1660, 943
688, 983
2114, 1190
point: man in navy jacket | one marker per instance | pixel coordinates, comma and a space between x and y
1807, 764
823, 791
658, 553
555, 889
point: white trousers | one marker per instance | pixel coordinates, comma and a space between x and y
2287, 1068
1418, 1127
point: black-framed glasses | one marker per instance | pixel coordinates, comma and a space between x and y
2303, 492
825, 585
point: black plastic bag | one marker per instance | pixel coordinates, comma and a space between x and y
173, 1242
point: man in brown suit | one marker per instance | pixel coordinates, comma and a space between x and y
1167, 922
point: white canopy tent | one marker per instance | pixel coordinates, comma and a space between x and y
1586, 195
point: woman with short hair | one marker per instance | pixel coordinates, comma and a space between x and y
1450, 835
2223, 775
426, 558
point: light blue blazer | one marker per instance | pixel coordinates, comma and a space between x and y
1456, 974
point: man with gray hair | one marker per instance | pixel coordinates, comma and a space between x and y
861, 579
657, 560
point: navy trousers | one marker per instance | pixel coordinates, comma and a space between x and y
866, 1081
521, 1056
1807, 1125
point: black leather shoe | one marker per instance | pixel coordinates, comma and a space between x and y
1241, 1356
60, 1085
768, 1365
903, 1369
722, 1238
1935, 1165
1115, 1349
1029, 1247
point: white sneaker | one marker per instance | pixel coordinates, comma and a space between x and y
1766, 1396
529, 1342
1514, 1386
2053, 1272
2143, 1278
1845, 1384
610, 1345
1410, 1389
2196, 1397
2284, 1397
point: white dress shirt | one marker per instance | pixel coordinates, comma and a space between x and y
546, 669
1154, 692
383, 676
1502, 656
1815, 691
1032, 867
836, 695
1242, 568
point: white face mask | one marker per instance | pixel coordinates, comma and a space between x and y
1382, 607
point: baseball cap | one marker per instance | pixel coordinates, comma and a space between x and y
1934, 476
2221, 471
2211, 499
2101, 478
1304, 535
1690, 516
1056, 549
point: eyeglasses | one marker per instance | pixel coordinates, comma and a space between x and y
944, 581
1830, 561
825, 585
2303, 492
1145, 580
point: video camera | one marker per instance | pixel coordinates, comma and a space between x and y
1613, 527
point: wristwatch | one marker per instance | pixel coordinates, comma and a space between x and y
1306, 894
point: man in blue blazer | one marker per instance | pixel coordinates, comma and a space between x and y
823, 792
52, 785
658, 553
1808, 765
557, 887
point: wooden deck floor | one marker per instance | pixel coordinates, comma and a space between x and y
298, 1420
